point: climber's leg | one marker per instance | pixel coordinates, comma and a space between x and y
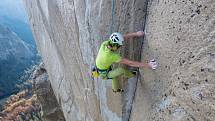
114, 74
120, 72
115, 84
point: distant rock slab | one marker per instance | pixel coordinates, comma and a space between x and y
42, 88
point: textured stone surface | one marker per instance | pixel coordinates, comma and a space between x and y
179, 34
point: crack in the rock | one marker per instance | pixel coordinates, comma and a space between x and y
139, 76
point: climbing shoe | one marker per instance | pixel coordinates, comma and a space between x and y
135, 72
118, 90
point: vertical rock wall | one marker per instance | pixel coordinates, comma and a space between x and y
68, 35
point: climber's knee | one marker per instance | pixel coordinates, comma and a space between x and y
121, 69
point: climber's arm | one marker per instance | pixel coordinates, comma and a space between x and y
128, 36
134, 63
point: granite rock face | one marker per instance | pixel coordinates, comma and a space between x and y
179, 34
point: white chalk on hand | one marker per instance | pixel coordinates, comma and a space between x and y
153, 64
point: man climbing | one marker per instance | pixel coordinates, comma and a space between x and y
107, 56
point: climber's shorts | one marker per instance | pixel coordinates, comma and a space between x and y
104, 73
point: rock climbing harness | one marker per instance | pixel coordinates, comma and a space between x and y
96, 72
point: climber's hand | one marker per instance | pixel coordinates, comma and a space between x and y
140, 33
153, 64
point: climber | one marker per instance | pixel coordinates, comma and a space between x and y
107, 56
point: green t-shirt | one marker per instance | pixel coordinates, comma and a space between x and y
106, 57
